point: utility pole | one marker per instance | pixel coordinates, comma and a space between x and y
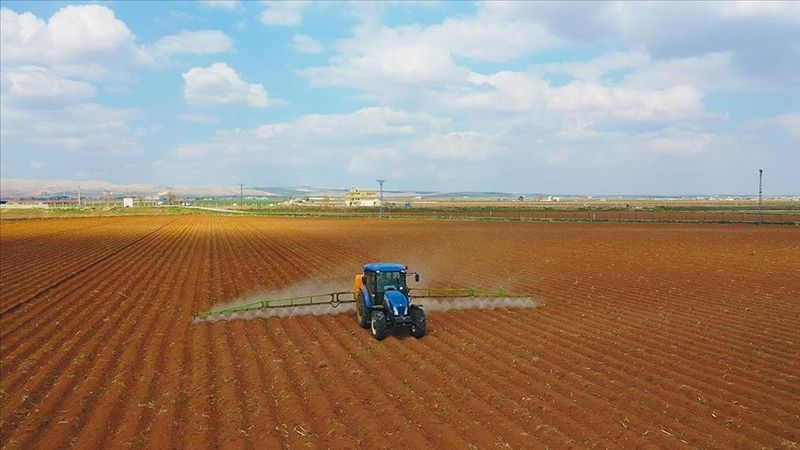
79, 195
381, 183
760, 200
241, 195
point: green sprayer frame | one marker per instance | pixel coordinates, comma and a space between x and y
334, 299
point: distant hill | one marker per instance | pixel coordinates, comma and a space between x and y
18, 188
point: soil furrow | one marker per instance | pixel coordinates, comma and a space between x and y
80, 271
681, 407
50, 384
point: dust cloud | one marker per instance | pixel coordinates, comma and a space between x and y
476, 303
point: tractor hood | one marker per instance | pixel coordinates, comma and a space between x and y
396, 299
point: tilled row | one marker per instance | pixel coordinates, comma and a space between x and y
27, 277
88, 355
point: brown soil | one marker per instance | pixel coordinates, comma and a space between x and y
646, 335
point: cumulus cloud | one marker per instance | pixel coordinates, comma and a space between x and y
319, 137
283, 13
222, 4
219, 84
413, 54
596, 68
459, 145
680, 102
761, 37
394, 56
683, 145
90, 42
75, 33
306, 44
201, 41
502, 91
37, 84
86, 127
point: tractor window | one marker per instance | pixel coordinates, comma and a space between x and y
371, 283
391, 281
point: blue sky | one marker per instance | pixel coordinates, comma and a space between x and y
583, 98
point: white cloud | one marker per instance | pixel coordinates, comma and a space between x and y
580, 104
712, 71
283, 13
683, 145
85, 127
595, 68
680, 102
373, 59
222, 4
201, 41
789, 122
219, 84
74, 34
37, 84
488, 36
206, 119
320, 137
306, 44
376, 160
785, 10
412, 54
503, 91
460, 145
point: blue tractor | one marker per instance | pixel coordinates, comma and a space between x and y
382, 301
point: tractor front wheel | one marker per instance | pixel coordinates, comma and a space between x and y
378, 325
417, 323
362, 313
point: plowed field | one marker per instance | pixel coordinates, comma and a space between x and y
646, 335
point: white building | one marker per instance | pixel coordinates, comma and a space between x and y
357, 197
127, 202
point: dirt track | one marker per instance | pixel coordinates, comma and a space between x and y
647, 335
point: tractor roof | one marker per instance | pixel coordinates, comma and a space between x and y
384, 267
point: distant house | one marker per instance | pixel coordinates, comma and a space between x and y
127, 202
356, 197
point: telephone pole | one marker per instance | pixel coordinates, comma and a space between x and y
760, 200
241, 196
79, 195
381, 183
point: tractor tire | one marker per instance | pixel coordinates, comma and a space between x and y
362, 313
418, 328
378, 325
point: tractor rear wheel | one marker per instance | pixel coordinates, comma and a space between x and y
362, 313
378, 325
418, 323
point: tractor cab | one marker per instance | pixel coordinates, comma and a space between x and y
381, 278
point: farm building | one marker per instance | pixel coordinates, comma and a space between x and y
127, 202
357, 197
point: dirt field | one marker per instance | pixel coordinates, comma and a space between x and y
647, 335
